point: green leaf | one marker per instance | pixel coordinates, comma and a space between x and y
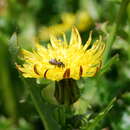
6, 87
94, 122
44, 109
48, 93
8, 124
108, 65
13, 47
43, 82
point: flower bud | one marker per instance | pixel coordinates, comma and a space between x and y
66, 91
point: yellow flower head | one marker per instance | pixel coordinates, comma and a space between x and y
61, 60
84, 20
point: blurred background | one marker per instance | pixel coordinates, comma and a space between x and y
37, 19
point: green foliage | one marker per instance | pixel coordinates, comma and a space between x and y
19, 97
13, 47
108, 65
7, 124
93, 123
44, 109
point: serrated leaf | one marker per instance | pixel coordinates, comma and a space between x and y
94, 122
108, 65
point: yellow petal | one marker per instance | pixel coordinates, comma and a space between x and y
54, 42
75, 37
88, 42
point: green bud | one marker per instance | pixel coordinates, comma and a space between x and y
66, 91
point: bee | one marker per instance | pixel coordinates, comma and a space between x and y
56, 63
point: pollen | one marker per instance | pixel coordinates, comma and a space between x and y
62, 59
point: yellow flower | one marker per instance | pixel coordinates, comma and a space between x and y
61, 60
83, 21
68, 20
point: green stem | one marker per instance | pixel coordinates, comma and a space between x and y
44, 109
115, 28
6, 87
128, 12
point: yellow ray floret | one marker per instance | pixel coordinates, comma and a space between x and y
60, 59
